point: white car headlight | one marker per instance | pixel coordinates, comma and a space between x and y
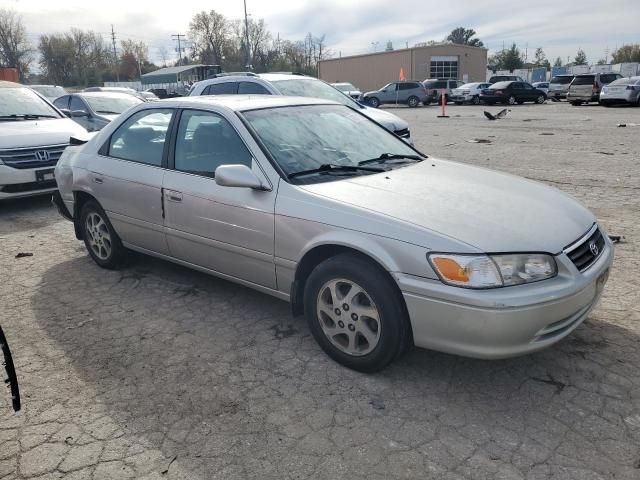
491, 271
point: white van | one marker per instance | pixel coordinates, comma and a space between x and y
33, 135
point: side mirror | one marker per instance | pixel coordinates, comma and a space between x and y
238, 176
66, 112
79, 113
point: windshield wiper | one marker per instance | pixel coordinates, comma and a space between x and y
25, 116
108, 112
330, 167
391, 156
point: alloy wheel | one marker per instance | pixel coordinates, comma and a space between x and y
98, 236
512, 100
348, 317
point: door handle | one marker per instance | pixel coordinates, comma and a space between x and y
174, 196
98, 180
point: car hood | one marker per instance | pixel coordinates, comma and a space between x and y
491, 211
386, 119
35, 133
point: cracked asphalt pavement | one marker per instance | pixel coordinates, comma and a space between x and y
158, 372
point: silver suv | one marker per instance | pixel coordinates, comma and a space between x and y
411, 93
295, 85
559, 86
586, 88
435, 88
307, 200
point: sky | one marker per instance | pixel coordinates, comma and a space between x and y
359, 26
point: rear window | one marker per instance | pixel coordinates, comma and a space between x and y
584, 80
608, 78
436, 84
624, 81
561, 80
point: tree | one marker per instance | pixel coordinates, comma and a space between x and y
210, 34
540, 59
580, 58
163, 53
15, 50
627, 54
463, 36
558, 62
507, 59
136, 54
602, 61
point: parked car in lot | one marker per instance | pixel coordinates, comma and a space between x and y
511, 93
411, 93
126, 90
621, 91
559, 86
50, 92
468, 93
348, 89
505, 78
33, 135
586, 88
94, 110
149, 96
544, 86
435, 88
296, 85
310, 201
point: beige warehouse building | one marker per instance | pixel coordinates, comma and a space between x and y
374, 70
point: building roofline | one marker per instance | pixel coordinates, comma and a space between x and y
457, 45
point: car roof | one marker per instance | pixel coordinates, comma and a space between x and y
240, 103
274, 77
104, 94
5, 84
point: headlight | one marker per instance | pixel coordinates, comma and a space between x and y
491, 271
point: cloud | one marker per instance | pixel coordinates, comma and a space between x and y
351, 26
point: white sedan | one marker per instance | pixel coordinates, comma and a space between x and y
468, 93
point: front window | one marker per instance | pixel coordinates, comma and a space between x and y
303, 138
305, 87
24, 104
111, 105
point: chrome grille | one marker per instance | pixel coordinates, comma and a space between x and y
585, 251
32, 157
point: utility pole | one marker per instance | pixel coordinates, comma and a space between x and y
115, 53
246, 34
179, 36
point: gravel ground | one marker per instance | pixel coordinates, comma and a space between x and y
158, 372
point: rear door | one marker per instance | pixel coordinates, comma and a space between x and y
127, 178
405, 91
225, 229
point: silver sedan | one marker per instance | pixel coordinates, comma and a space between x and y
378, 245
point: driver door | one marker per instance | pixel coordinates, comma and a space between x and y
229, 230
388, 95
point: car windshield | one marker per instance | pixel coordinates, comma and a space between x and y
22, 102
469, 85
50, 92
345, 87
624, 81
307, 137
111, 104
500, 85
561, 80
309, 87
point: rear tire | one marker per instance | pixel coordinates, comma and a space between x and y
511, 100
364, 331
373, 102
476, 100
413, 102
540, 100
100, 238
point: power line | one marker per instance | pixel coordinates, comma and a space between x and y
115, 53
178, 37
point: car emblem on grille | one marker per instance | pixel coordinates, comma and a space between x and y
594, 249
43, 156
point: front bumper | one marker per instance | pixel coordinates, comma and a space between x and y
503, 322
17, 183
461, 98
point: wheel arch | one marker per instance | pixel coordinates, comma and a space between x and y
80, 198
319, 252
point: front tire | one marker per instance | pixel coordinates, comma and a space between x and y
511, 100
540, 100
373, 102
355, 313
101, 240
475, 100
413, 102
